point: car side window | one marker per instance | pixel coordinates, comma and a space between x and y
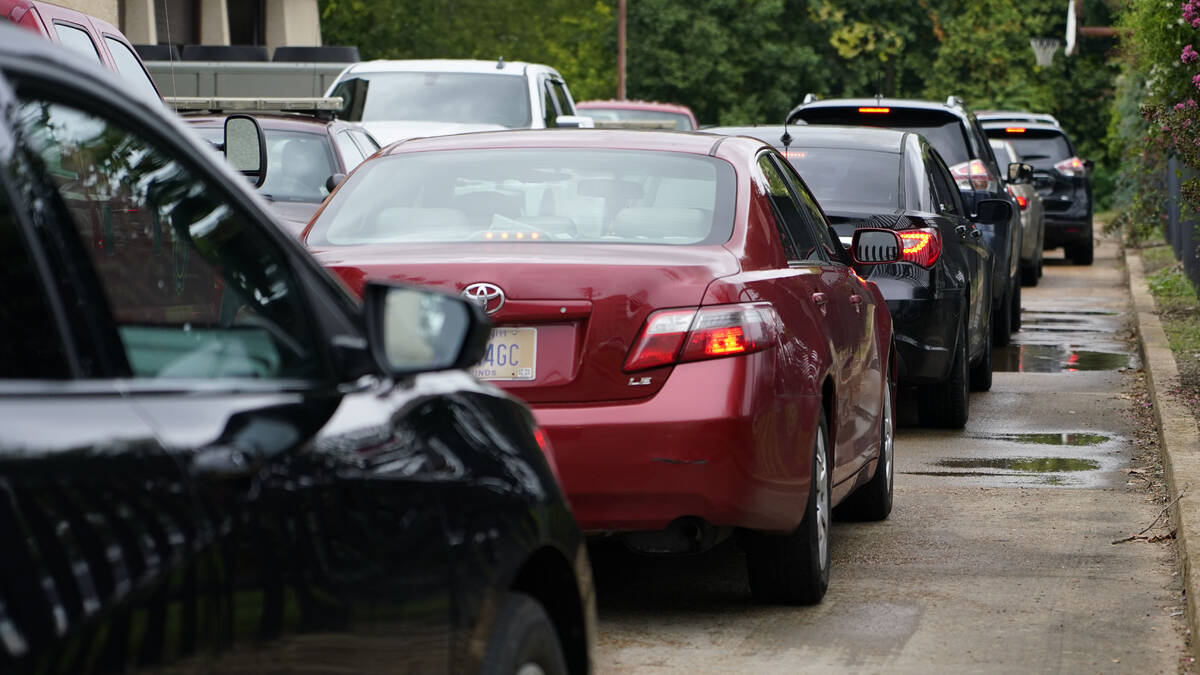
193, 288
30, 344
366, 143
351, 154
130, 67
788, 218
564, 101
945, 194
550, 103
809, 211
77, 40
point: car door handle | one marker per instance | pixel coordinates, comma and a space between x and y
820, 298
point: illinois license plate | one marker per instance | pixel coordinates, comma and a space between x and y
511, 355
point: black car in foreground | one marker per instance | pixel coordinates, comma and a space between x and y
212, 457
950, 128
939, 295
1062, 180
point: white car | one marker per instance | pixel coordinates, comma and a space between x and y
412, 98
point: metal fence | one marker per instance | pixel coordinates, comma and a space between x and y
1181, 226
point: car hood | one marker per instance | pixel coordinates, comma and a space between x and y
390, 132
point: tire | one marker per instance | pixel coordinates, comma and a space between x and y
1015, 306
794, 568
524, 640
947, 403
1082, 254
1030, 274
1002, 320
981, 372
873, 501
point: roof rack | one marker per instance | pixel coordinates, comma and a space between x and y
809, 98
326, 107
955, 102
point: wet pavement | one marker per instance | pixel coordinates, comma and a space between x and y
999, 555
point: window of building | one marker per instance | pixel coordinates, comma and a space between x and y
247, 25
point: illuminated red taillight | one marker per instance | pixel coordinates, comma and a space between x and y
679, 335
1014, 130
875, 111
921, 247
1022, 200
1072, 166
973, 175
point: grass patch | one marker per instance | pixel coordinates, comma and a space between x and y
1179, 310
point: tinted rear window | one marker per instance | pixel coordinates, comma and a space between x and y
1037, 146
849, 177
521, 195
944, 131
459, 98
669, 120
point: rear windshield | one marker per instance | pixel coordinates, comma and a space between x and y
944, 131
1044, 147
459, 98
666, 120
849, 177
522, 195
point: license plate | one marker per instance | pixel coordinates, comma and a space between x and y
511, 355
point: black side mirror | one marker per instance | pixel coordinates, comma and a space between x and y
1089, 165
415, 330
1020, 172
993, 211
875, 246
333, 181
245, 147
353, 93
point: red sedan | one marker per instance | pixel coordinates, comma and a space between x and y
677, 313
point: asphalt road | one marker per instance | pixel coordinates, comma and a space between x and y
999, 555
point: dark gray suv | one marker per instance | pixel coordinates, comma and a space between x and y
958, 137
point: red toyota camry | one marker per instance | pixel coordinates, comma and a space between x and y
677, 313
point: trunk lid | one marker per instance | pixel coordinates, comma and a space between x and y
586, 304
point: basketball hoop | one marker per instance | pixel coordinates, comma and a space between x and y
1043, 50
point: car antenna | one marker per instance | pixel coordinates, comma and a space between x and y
500, 63
786, 138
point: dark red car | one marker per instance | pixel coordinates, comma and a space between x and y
676, 311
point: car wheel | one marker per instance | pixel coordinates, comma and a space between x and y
794, 568
1002, 320
981, 372
1041, 265
1082, 254
946, 403
524, 641
1015, 306
1030, 274
873, 501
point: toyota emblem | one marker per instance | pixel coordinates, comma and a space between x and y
489, 297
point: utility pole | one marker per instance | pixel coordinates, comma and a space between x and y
621, 50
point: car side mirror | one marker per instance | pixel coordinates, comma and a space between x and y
333, 181
1020, 172
993, 211
1089, 165
875, 246
353, 93
415, 330
245, 147
574, 121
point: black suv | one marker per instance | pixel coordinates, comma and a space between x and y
1062, 180
212, 457
954, 132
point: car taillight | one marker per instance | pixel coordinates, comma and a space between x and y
921, 247
875, 111
972, 175
1072, 166
679, 335
1022, 200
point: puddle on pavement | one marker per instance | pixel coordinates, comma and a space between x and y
1051, 319
1072, 312
1076, 440
1023, 464
1035, 358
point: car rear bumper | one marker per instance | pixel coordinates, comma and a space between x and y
1062, 231
708, 445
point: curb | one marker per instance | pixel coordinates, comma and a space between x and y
1178, 434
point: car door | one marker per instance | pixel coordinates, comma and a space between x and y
947, 201
97, 524
854, 304
320, 540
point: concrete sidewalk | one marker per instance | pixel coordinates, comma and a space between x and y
1178, 433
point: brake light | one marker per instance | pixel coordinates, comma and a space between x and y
1072, 166
973, 175
511, 235
1014, 130
679, 335
875, 111
1022, 200
921, 247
